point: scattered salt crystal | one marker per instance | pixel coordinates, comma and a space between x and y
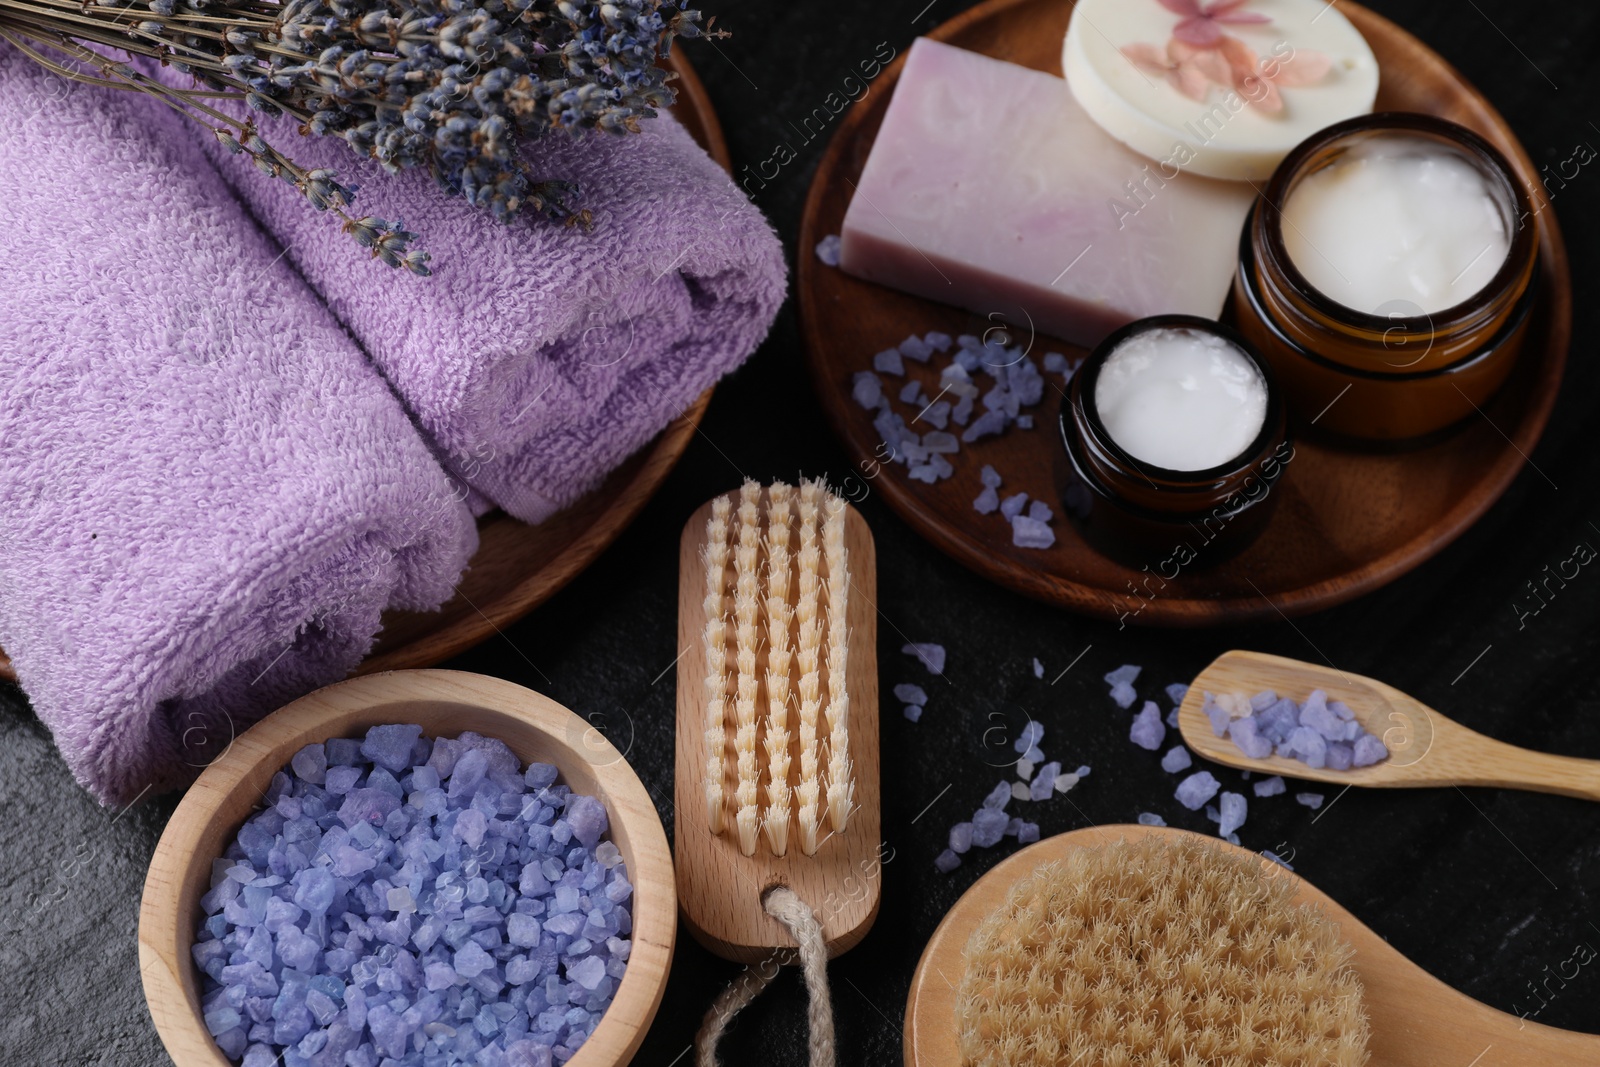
1032, 733
1127, 673
1176, 692
1148, 731
867, 389
1020, 791
910, 392
960, 837
1028, 532
1083, 771
1044, 781
910, 694
1233, 808
913, 712
1024, 422
941, 443
989, 476
827, 250
1270, 787
938, 415
946, 862
1220, 719
1012, 506
1369, 749
1195, 791
1038, 668
1123, 695
889, 362
1275, 858
998, 797
1150, 818
931, 655
1310, 800
1027, 833
1024, 769
1172, 718
1041, 511
986, 425
1065, 782
1177, 759
987, 502
939, 342
988, 827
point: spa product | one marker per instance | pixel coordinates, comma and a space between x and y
209, 495
400, 895
1182, 399
989, 188
1088, 928
1392, 292
1424, 748
1397, 222
777, 737
1217, 88
1186, 392
538, 358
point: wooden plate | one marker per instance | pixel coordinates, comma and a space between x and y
1347, 521
518, 567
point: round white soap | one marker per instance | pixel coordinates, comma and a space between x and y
1181, 399
1396, 224
1225, 91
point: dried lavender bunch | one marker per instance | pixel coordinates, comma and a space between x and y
456, 86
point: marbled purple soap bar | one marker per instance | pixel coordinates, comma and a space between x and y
988, 187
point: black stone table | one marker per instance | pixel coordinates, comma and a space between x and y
1491, 891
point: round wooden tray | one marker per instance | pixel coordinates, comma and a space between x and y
1347, 522
518, 567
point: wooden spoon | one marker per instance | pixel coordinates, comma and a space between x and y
1425, 747
1417, 1020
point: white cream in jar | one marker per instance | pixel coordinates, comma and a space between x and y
1397, 226
1180, 398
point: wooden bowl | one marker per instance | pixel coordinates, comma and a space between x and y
443, 703
1347, 522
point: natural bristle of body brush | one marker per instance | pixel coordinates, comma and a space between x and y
1158, 953
764, 647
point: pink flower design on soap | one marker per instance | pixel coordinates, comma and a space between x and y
1257, 79
1188, 69
1202, 23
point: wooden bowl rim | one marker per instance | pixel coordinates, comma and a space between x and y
1171, 610
172, 992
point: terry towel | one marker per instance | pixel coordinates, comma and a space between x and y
539, 357
207, 494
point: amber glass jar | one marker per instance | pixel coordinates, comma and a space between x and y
1384, 376
1168, 520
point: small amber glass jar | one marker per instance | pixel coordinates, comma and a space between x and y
1168, 520
1384, 376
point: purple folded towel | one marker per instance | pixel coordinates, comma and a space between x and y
207, 495
538, 357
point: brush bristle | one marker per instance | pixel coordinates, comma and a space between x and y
776, 640
1161, 954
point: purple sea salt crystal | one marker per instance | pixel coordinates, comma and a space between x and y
1032, 733
1270, 787
1278, 721
1176, 692
962, 411
910, 694
1232, 808
912, 712
939, 342
1125, 674
1195, 791
1024, 422
888, 362
1012, 506
911, 393
1275, 858
1316, 715
1044, 781
1309, 747
986, 425
916, 348
1148, 731
390, 746
1038, 668
989, 477
1368, 750
988, 826
1177, 759
1028, 532
1219, 718
1041, 511
1123, 695
827, 250
867, 389
1310, 800
1150, 818
937, 414
1243, 734
987, 502
960, 837
932, 656
998, 797
1027, 833
1340, 756
311, 764
588, 819
946, 861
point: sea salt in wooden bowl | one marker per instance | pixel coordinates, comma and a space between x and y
443, 703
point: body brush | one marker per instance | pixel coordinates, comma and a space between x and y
1132, 946
776, 823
